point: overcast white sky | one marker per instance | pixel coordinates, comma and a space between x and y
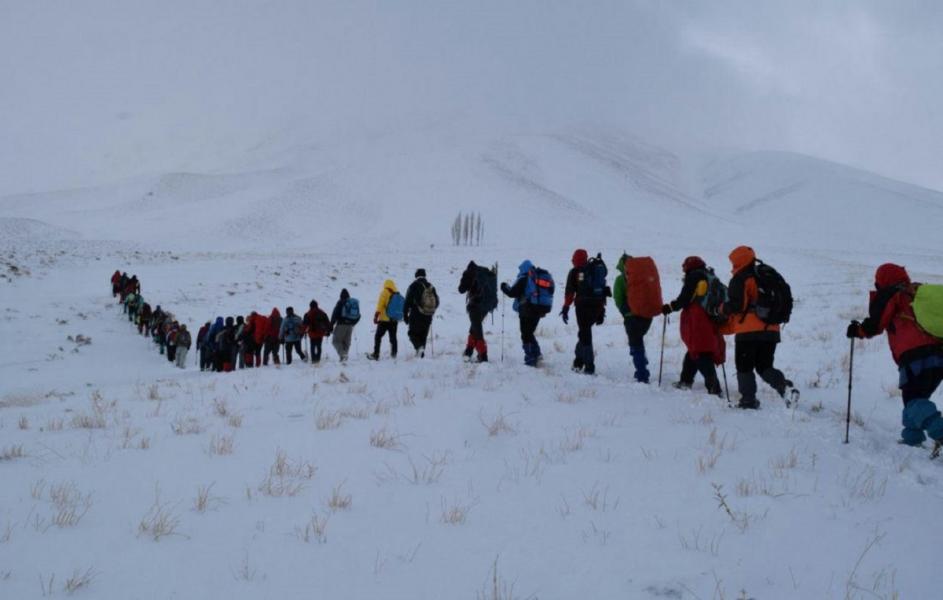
102, 89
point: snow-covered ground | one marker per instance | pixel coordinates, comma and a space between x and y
431, 478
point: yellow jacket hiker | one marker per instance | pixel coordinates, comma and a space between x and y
385, 324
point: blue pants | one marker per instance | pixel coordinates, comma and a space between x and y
918, 380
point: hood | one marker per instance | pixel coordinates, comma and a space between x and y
230, 322
889, 275
389, 285
313, 305
693, 262
275, 313
742, 257
524, 268
620, 266
345, 294
218, 323
580, 258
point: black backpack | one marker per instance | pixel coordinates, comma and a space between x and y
592, 282
774, 296
487, 281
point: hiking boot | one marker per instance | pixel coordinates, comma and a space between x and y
421, 352
589, 370
578, 365
937, 448
373, 356
749, 404
482, 358
681, 385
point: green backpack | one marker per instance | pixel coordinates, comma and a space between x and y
928, 308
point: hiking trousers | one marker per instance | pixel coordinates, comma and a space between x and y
340, 339
271, 349
316, 349
181, 358
418, 329
384, 327
296, 346
586, 316
919, 379
757, 356
702, 363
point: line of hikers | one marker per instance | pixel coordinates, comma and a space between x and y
752, 307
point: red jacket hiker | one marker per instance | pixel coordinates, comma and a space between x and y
317, 324
274, 325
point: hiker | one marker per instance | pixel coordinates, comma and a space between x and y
387, 316
131, 305
345, 316
918, 354
238, 359
115, 283
291, 332
636, 293
533, 298
421, 304
705, 346
755, 339
225, 346
144, 319
182, 341
246, 344
586, 289
201, 346
122, 287
258, 325
170, 335
211, 344
318, 325
272, 330
479, 284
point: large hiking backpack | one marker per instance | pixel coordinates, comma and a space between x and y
395, 306
928, 308
428, 301
183, 339
487, 283
350, 311
774, 296
643, 287
713, 301
592, 282
538, 291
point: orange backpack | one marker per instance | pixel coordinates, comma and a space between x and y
643, 287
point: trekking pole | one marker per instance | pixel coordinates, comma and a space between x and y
661, 360
851, 369
431, 338
723, 369
502, 328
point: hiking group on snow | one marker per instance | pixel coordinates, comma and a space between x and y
752, 307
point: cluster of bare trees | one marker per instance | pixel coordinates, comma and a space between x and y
467, 230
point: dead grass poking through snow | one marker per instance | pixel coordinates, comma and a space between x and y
328, 419
221, 407
221, 445
339, 500
23, 423
205, 500
497, 424
385, 439
234, 421
314, 530
455, 511
497, 588
79, 580
69, 503
12, 452
186, 425
159, 521
286, 477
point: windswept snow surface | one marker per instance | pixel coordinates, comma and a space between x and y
569, 486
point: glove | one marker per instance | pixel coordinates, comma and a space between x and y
376, 318
666, 310
854, 330
565, 315
601, 318
505, 287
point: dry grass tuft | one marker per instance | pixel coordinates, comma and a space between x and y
314, 530
159, 521
23, 423
339, 500
205, 500
497, 424
79, 580
12, 452
221, 408
385, 439
286, 477
328, 420
234, 421
186, 425
221, 445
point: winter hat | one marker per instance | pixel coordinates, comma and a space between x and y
229, 321
742, 257
289, 311
580, 258
420, 273
691, 263
240, 320
889, 275
313, 305
345, 294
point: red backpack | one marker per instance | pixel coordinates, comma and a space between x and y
643, 287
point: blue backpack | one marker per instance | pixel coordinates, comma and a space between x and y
539, 289
351, 310
394, 308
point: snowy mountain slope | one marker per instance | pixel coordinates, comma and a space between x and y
799, 195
